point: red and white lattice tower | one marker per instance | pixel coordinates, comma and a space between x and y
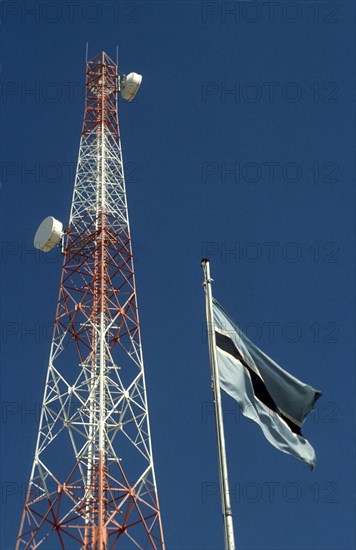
92, 484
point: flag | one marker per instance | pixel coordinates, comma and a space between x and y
277, 401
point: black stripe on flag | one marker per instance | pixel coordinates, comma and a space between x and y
259, 387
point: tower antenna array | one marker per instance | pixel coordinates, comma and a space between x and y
92, 484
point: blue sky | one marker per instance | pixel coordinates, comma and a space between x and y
240, 146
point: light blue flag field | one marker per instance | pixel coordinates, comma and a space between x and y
277, 401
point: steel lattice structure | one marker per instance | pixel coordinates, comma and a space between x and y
92, 484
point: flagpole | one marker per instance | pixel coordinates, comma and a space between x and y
223, 474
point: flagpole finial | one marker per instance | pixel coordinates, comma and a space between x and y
205, 263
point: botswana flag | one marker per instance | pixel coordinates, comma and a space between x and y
265, 392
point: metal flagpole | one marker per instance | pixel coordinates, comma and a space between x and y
224, 480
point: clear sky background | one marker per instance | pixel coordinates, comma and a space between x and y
240, 146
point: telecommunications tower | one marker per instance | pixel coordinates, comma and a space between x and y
92, 484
